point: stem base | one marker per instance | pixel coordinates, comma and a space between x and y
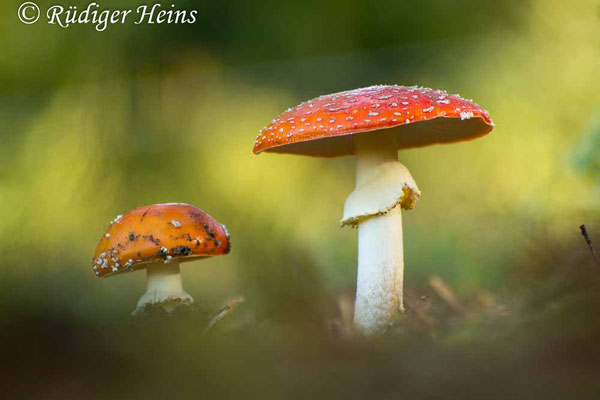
163, 283
380, 271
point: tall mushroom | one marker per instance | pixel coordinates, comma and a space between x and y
373, 123
158, 238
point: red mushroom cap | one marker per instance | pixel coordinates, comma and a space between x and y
418, 116
158, 232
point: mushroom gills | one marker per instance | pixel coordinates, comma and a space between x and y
383, 187
163, 284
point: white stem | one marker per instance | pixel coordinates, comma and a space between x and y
164, 283
372, 153
380, 247
380, 271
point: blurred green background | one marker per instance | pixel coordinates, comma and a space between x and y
94, 124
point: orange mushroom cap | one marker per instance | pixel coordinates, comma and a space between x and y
418, 116
158, 232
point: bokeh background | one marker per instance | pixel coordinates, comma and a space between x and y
503, 292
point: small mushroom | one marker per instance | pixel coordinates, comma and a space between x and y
373, 123
158, 238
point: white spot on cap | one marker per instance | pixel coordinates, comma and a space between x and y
176, 223
428, 109
466, 115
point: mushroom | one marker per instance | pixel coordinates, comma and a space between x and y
373, 123
158, 238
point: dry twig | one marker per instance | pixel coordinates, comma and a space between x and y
446, 293
231, 305
586, 236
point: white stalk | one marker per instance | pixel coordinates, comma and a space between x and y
373, 151
163, 283
375, 207
380, 271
